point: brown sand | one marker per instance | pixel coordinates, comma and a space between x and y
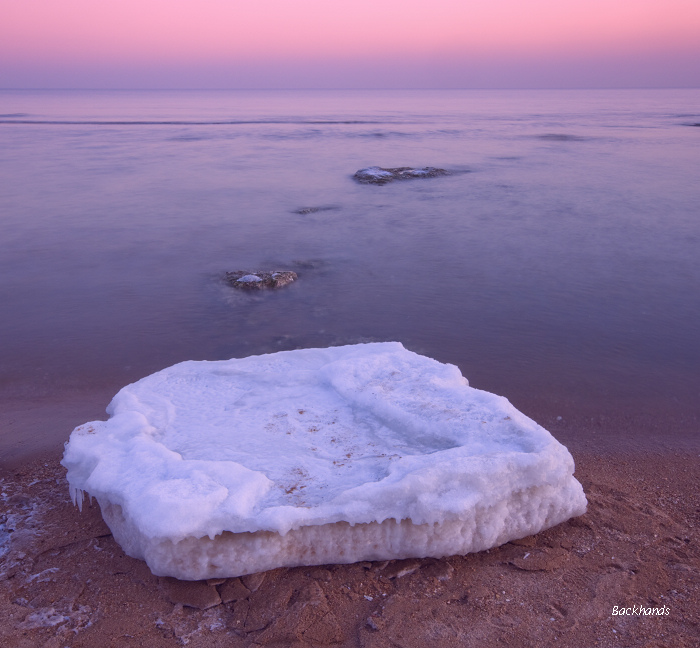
65, 582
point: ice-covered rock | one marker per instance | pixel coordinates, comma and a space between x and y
257, 280
314, 456
249, 278
380, 175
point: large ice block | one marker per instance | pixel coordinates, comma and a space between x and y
315, 456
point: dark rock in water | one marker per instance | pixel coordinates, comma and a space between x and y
312, 210
310, 264
698, 125
259, 280
380, 175
560, 137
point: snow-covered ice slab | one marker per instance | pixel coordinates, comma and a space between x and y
316, 456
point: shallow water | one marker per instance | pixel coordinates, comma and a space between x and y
558, 262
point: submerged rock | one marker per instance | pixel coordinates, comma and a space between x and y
366, 452
259, 280
380, 175
304, 211
560, 137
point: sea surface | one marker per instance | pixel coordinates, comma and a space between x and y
557, 264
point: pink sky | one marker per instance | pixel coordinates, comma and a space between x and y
364, 43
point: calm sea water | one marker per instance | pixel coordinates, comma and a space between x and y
559, 262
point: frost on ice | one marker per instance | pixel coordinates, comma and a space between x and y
316, 456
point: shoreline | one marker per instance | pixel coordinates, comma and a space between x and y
65, 582
34, 426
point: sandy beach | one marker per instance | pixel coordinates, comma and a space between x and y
65, 582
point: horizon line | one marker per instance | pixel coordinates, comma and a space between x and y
343, 89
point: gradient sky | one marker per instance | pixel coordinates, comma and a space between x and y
358, 44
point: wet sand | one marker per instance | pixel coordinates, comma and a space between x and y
65, 582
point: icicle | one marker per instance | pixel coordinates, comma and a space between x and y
76, 495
